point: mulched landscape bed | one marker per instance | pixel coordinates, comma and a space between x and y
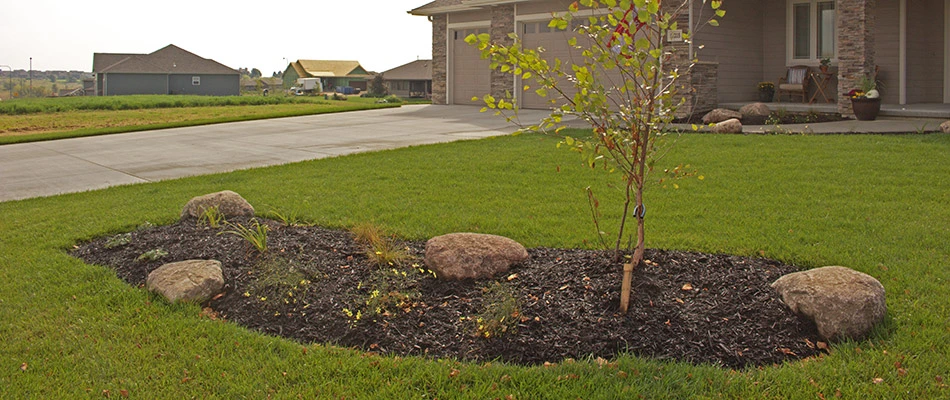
317, 285
776, 118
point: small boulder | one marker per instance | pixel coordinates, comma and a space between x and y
189, 281
229, 203
945, 127
843, 303
727, 126
720, 114
755, 110
459, 256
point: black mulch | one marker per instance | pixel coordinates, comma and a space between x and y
699, 308
776, 118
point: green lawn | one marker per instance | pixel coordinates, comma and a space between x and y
878, 204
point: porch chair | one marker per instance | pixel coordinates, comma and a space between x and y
794, 83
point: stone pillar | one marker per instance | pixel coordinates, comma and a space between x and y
439, 58
855, 47
502, 25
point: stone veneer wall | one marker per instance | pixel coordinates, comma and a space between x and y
697, 97
703, 79
502, 25
855, 47
439, 59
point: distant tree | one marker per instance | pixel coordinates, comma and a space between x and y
377, 86
277, 74
52, 78
255, 73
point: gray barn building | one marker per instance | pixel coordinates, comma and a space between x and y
169, 70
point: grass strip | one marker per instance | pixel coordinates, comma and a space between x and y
873, 203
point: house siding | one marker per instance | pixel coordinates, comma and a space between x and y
128, 84
774, 62
887, 49
737, 46
925, 49
211, 85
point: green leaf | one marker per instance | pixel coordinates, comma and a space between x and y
713, 22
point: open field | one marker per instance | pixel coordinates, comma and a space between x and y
877, 204
27, 120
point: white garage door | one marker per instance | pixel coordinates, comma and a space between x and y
471, 76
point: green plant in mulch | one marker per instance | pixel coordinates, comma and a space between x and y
277, 284
382, 250
152, 255
499, 314
256, 235
211, 216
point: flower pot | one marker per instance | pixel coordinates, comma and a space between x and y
866, 109
766, 96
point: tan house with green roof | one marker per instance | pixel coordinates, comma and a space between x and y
333, 74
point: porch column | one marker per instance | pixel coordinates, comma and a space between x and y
855, 47
697, 81
439, 58
502, 25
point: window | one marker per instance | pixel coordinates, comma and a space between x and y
811, 30
196, 81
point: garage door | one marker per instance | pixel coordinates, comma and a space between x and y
471, 76
554, 42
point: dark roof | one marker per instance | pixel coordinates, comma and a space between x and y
167, 60
419, 70
447, 6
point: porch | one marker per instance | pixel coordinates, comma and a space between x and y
922, 110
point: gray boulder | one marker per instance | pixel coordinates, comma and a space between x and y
187, 281
459, 256
229, 203
728, 126
755, 110
720, 114
843, 303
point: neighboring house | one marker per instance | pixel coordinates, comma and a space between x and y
410, 80
170, 70
333, 74
252, 85
756, 41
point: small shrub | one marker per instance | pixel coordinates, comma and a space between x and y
255, 235
211, 216
500, 312
277, 284
379, 249
118, 240
152, 255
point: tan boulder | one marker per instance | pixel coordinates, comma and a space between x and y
459, 256
945, 127
229, 203
843, 303
187, 281
728, 126
755, 110
720, 114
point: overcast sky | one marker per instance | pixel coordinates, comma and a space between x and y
63, 35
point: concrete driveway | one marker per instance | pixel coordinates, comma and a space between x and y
75, 165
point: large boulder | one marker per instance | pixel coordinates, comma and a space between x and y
229, 204
720, 114
728, 126
843, 303
945, 127
187, 281
755, 110
458, 256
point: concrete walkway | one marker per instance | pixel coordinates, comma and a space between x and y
74, 165
81, 164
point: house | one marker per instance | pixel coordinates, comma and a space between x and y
410, 80
333, 74
249, 84
169, 70
757, 40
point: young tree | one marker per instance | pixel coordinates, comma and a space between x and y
624, 86
377, 86
255, 73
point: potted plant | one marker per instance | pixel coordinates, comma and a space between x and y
866, 100
766, 91
824, 64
